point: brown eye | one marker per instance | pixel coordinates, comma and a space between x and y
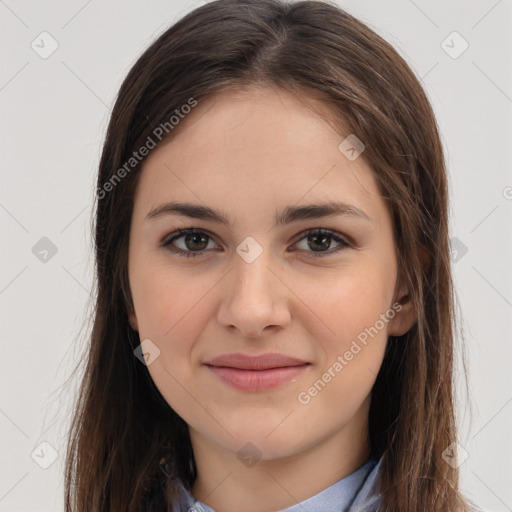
194, 242
319, 241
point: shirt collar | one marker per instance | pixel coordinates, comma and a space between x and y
353, 493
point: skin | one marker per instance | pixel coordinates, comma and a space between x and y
250, 153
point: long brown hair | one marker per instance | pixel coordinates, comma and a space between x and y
122, 427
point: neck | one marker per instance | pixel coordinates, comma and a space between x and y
226, 485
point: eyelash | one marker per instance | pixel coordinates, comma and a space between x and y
317, 231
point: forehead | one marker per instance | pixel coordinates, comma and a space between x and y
257, 148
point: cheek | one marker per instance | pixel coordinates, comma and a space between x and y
172, 310
351, 342
346, 302
168, 302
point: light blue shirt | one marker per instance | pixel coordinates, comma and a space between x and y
353, 493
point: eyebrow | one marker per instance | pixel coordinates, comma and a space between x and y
286, 216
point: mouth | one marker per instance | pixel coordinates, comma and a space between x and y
256, 373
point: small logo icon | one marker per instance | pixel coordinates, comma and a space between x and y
455, 455
44, 250
351, 147
457, 249
44, 455
147, 352
454, 45
249, 455
44, 45
249, 249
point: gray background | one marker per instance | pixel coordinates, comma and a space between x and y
54, 113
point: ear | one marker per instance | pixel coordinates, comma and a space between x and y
132, 318
405, 314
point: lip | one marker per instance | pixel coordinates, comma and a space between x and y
260, 362
256, 373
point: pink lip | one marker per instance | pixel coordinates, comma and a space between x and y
254, 373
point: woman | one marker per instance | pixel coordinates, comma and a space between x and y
259, 371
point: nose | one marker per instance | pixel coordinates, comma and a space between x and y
255, 298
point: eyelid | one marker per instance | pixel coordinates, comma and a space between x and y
183, 232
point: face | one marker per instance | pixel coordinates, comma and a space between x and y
316, 288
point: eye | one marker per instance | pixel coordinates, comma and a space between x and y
195, 241
322, 238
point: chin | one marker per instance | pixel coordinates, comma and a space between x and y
266, 441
